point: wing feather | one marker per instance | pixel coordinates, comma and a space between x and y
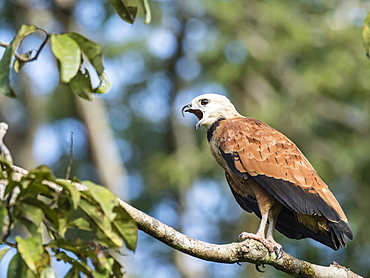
251, 147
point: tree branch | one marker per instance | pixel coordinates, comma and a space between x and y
249, 250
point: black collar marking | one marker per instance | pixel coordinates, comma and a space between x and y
213, 128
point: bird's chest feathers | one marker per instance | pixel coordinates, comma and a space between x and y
215, 150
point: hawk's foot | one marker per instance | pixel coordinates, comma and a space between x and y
269, 243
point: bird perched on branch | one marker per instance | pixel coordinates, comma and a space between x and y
269, 175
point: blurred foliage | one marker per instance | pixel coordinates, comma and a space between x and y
70, 50
77, 226
297, 65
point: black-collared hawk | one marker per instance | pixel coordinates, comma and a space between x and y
269, 175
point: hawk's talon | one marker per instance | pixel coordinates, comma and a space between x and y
258, 267
279, 252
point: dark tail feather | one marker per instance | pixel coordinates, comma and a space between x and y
337, 232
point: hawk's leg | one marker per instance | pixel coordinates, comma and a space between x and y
260, 235
273, 214
268, 241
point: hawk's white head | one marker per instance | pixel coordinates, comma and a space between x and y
209, 108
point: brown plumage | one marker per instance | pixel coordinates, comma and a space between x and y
268, 175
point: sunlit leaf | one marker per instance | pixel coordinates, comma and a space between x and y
126, 227
6, 60
104, 85
34, 229
126, 12
31, 189
106, 199
18, 63
147, 12
69, 187
23, 32
5, 87
68, 53
92, 50
31, 251
42, 172
3, 213
366, 35
11, 186
80, 223
7, 171
3, 252
45, 208
101, 220
48, 272
81, 85
32, 213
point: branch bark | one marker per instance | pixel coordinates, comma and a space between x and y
249, 250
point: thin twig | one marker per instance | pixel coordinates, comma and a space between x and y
4, 44
70, 158
25, 59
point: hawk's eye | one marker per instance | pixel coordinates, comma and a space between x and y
204, 101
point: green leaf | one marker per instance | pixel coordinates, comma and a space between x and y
6, 60
68, 53
64, 213
126, 227
3, 213
81, 85
147, 12
18, 64
23, 32
48, 272
366, 35
18, 268
11, 186
3, 252
51, 215
92, 50
125, 12
69, 187
117, 269
32, 213
73, 273
42, 172
80, 223
34, 230
31, 251
78, 265
5, 87
104, 85
101, 220
7, 171
32, 189
106, 199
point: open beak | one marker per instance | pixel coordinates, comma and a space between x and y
197, 112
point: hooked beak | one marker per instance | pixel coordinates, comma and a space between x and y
197, 112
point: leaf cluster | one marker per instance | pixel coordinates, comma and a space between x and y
73, 51
82, 228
